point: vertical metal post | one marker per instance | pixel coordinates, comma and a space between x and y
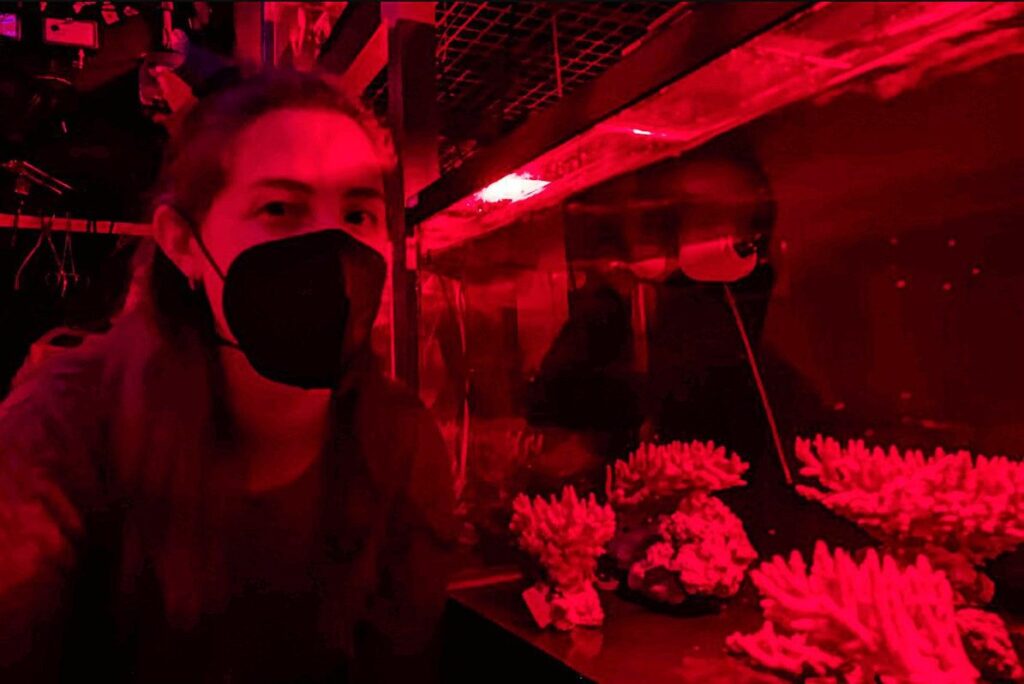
249, 31
413, 118
268, 36
641, 339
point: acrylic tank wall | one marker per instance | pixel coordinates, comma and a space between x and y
885, 306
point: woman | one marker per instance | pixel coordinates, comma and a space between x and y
223, 487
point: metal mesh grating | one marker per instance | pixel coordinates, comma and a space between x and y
496, 61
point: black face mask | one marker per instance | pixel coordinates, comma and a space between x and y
302, 307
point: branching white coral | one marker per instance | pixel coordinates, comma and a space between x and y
878, 617
566, 535
655, 471
700, 547
949, 506
704, 551
784, 653
973, 504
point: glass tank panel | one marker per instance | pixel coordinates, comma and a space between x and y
865, 165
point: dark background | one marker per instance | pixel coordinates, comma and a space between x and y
84, 125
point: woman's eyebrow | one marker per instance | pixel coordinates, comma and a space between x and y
283, 184
359, 192
364, 192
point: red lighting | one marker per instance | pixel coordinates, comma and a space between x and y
809, 56
512, 188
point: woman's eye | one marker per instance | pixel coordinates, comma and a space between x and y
360, 217
279, 209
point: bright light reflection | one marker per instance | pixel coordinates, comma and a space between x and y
512, 188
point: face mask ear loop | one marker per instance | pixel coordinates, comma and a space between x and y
202, 246
220, 274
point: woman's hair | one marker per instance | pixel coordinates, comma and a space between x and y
198, 157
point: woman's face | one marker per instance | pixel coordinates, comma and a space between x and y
293, 171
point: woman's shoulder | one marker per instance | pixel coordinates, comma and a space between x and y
58, 375
67, 388
392, 418
390, 410
53, 426
406, 450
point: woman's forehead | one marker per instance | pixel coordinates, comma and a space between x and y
318, 147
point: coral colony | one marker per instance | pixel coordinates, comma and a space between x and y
907, 614
845, 621
565, 535
959, 510
913, 613
856, 620
691, 544
703, 548
989, 645
672, 470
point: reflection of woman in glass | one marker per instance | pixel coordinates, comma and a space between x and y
627, 231
585, 392
701, 382
698, 383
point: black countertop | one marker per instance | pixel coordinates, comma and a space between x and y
634, 645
